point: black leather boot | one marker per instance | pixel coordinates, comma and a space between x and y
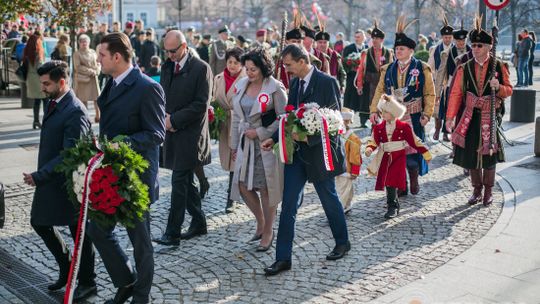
393, 204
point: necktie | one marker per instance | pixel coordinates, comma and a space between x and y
300, 92
177, 68
52, 105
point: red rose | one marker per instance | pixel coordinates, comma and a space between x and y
211, 115
302, 105
289, 108
300, 113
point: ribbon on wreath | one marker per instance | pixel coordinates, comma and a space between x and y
93, 164
263, 100
282, 139
325, 139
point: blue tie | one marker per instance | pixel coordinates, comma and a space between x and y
300, 92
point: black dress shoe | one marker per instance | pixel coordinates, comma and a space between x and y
168, 240
339, 252
59, 284
84, 291
277, 267
204, 185
122, 295
191, 233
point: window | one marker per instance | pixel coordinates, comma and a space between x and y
144, 16
129, 17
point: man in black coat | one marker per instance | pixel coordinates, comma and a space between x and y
133, 105
187, 82
351, 99
310, 85
65, 121
149, 48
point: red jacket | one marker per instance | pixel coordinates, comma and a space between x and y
392, 172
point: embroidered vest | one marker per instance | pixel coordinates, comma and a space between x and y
371, 61
469, 78
413, 90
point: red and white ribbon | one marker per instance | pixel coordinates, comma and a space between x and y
93, 164
325, 139
263, 100
282, 139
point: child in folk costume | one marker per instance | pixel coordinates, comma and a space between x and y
353, 157
391, 137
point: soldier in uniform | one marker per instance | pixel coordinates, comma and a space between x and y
334, 59
438, 56
477, 141
411, 83
457, 54
218, 50
369, 70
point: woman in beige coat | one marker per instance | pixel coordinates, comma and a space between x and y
86, 70
223, 93
258, 97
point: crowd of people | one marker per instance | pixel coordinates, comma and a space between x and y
393, 93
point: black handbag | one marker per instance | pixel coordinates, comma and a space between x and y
268, 117
22, 72
2, 206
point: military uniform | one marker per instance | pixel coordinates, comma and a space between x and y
412, 85
478, 147
217, 53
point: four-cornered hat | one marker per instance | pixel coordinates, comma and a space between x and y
478, 35
376, 32
401, 38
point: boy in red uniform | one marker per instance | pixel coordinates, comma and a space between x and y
391, 137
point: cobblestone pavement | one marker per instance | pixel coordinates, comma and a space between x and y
220, 267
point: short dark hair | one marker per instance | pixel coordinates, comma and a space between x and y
234, 52
296, 52
56, 69
261, 59
119, 43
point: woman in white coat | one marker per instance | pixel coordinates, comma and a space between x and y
259, 99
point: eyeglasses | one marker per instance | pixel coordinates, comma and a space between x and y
173, 50
477, 45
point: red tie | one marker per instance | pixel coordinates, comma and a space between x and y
177, 68
52, 105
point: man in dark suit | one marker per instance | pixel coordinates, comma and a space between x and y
187, 82
65, 121
310, 85
133, 105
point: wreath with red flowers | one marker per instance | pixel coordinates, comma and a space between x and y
116, 192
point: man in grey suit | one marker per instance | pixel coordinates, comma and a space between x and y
65, 121
187, 81
133, 105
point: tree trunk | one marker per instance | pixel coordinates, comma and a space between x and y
417, 11
348, 30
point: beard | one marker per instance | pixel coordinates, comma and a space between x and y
53, 94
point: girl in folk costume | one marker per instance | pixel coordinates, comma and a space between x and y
391, 137
479, 91
410, 81
353, 158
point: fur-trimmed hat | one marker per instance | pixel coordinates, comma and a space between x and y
347, 114
478, 35
322, 35
376, 32
401, 37
447, 29
389, 104
461, 33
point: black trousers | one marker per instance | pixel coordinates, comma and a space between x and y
184, 196
56, 245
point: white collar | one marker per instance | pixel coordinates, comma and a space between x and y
122, 76
481, 63
57, 100
307, 78
182, 61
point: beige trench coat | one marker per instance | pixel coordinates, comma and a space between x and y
225, 101
440, 77
273, 169
86, 71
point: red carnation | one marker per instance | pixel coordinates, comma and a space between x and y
211, 115
300, 113
302, 105
289, 108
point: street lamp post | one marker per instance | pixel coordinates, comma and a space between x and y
180, 14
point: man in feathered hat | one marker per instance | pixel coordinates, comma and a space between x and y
411, 83
438, 56
477, 142
369, 69
459, 53
308, 40
336, 68
218, 50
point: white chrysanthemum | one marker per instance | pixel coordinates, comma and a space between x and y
311, 120
78, 181
334, 119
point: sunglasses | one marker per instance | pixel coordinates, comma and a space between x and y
477, 45
173, 50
